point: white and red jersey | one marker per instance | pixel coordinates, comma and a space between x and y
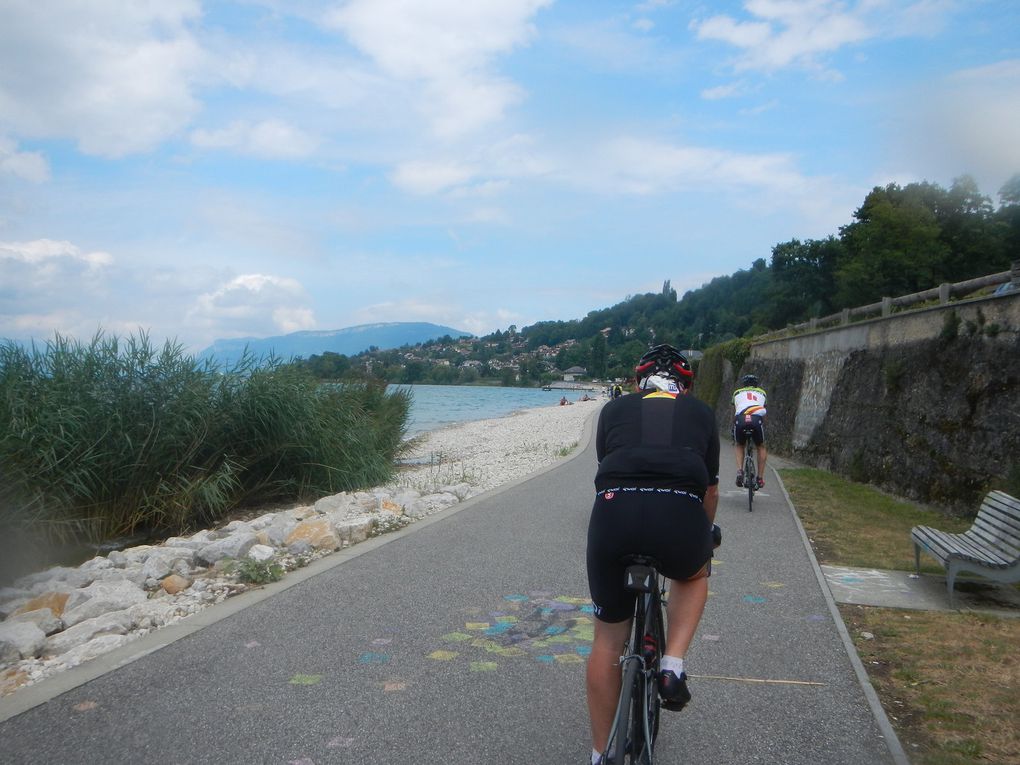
749, 401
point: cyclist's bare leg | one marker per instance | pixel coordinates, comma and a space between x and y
686, 604
604, 678
738, 455
762, 456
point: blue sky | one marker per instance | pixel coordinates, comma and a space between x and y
206, 170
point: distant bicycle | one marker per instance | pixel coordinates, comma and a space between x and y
632, 737
750, 468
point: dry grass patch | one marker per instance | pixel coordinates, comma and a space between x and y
949, 681
852, 524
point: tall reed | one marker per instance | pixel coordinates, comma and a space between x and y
113, 437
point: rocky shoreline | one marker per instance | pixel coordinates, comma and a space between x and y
61, 617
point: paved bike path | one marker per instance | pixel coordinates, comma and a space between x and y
402, 654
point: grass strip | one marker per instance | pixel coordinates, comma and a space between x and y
947, 680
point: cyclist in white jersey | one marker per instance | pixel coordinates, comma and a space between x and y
749, 412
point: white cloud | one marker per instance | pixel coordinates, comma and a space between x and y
48, 285
269, 139
424, 177
729, 90
789, 32
447, 45
253, 304
27, 165
52, 254
115, 76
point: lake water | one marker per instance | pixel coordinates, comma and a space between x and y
434, 406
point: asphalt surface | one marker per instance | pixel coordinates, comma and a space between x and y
462, 640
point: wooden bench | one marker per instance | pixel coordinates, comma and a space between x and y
990, 548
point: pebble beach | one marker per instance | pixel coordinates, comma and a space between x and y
59, 618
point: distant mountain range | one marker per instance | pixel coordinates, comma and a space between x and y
349, 341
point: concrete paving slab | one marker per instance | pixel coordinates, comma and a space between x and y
927, 592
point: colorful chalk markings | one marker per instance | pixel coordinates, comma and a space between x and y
541, 626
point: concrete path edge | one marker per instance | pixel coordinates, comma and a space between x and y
41, 693
896, 750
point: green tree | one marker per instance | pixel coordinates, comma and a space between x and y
892, 248
597, 355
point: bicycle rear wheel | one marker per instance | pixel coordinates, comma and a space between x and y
622, 745
750, 478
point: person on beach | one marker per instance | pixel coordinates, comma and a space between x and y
655, 438
749, 415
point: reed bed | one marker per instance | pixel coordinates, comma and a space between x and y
116, 437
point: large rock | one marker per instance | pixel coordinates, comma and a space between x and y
54, 601
58, 578
20, 640
132, 574
337, 504
164, 561
261, 553
354, 530
234, 546
112, 623
319, 533
99, 598
99, 563
43, 618
277, 532
175, 583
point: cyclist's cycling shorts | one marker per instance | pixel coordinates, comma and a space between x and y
665, 524
756, 423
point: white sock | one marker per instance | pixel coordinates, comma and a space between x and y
672, 663
596, 758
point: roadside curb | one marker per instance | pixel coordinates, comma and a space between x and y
892, 741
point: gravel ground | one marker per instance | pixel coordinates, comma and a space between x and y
489, 453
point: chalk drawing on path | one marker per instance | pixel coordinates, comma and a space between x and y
539, 626
370, 657
754, 599
305, 680
340, 742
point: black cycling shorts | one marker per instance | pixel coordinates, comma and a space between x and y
669, 526
756, 424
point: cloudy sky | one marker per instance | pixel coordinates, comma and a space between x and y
213, 169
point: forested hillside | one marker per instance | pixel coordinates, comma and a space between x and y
900, 240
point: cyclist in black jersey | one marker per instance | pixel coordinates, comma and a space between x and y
656, 492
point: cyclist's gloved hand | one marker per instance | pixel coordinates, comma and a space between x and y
716, 536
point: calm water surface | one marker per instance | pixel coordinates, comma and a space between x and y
435, 406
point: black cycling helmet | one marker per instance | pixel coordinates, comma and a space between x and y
665, 360
750, 381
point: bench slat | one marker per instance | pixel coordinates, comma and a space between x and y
1003, 505
943, 544
994, 536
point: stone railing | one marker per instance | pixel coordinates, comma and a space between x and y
944, 293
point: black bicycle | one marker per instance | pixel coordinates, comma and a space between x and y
632, 737
750, 468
